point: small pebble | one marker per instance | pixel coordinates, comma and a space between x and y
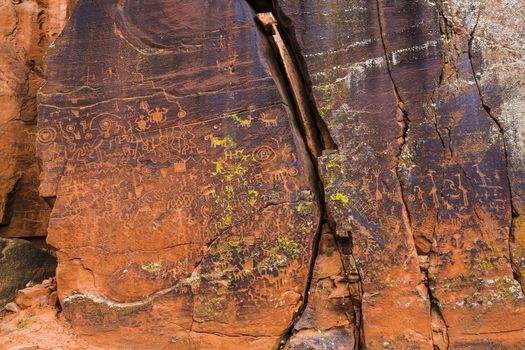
11, 307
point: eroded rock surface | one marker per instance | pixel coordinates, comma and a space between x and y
26, 30
182, 142
424, 162
22, 263
186, 208
328, 321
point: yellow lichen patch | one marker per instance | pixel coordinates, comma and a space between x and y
152, 267
339, 197
26, 321
246, 122
279, 253
252, 196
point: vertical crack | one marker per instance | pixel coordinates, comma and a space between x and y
312, 129
514, 212
403, 119
308, 133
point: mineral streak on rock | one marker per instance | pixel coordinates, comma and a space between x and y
352, 53
26, 30
186, 209
497, 44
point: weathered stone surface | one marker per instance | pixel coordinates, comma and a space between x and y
497, 45
21, 263
37, 295
176, 138
441, 189
185, 210
26, 29
328, 320
348, 50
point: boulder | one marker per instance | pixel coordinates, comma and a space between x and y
20, 264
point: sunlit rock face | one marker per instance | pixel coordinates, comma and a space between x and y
186, 205
194, 154
423, 107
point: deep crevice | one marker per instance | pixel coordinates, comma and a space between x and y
287, 32
312, 128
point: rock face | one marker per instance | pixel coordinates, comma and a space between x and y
20, 263
423, 163
186, 201
328, 319
26, 30
195, 152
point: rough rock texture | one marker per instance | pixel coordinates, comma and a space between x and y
186, 143
328, 320
26, 30
353, 88
36, 325
186, 202
20, 264
423, 162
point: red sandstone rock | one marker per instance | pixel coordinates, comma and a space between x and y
175, 138
186, 204
37, 295
26, 30
450, 161
328, 320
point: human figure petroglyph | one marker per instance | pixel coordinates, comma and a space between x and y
378, 194
463, 189
481, 175
433, 190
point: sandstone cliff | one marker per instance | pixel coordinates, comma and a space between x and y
26, 30
273, 174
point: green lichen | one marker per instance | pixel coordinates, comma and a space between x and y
226, 142
339, 197
252, 196
152, 267
26, 321
230, 172
288, 247
279, 253
246, 122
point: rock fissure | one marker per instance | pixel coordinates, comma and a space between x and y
404, 120
308, 132
312, 127
514, 212
200, 200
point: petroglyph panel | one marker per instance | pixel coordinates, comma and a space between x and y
181, 179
